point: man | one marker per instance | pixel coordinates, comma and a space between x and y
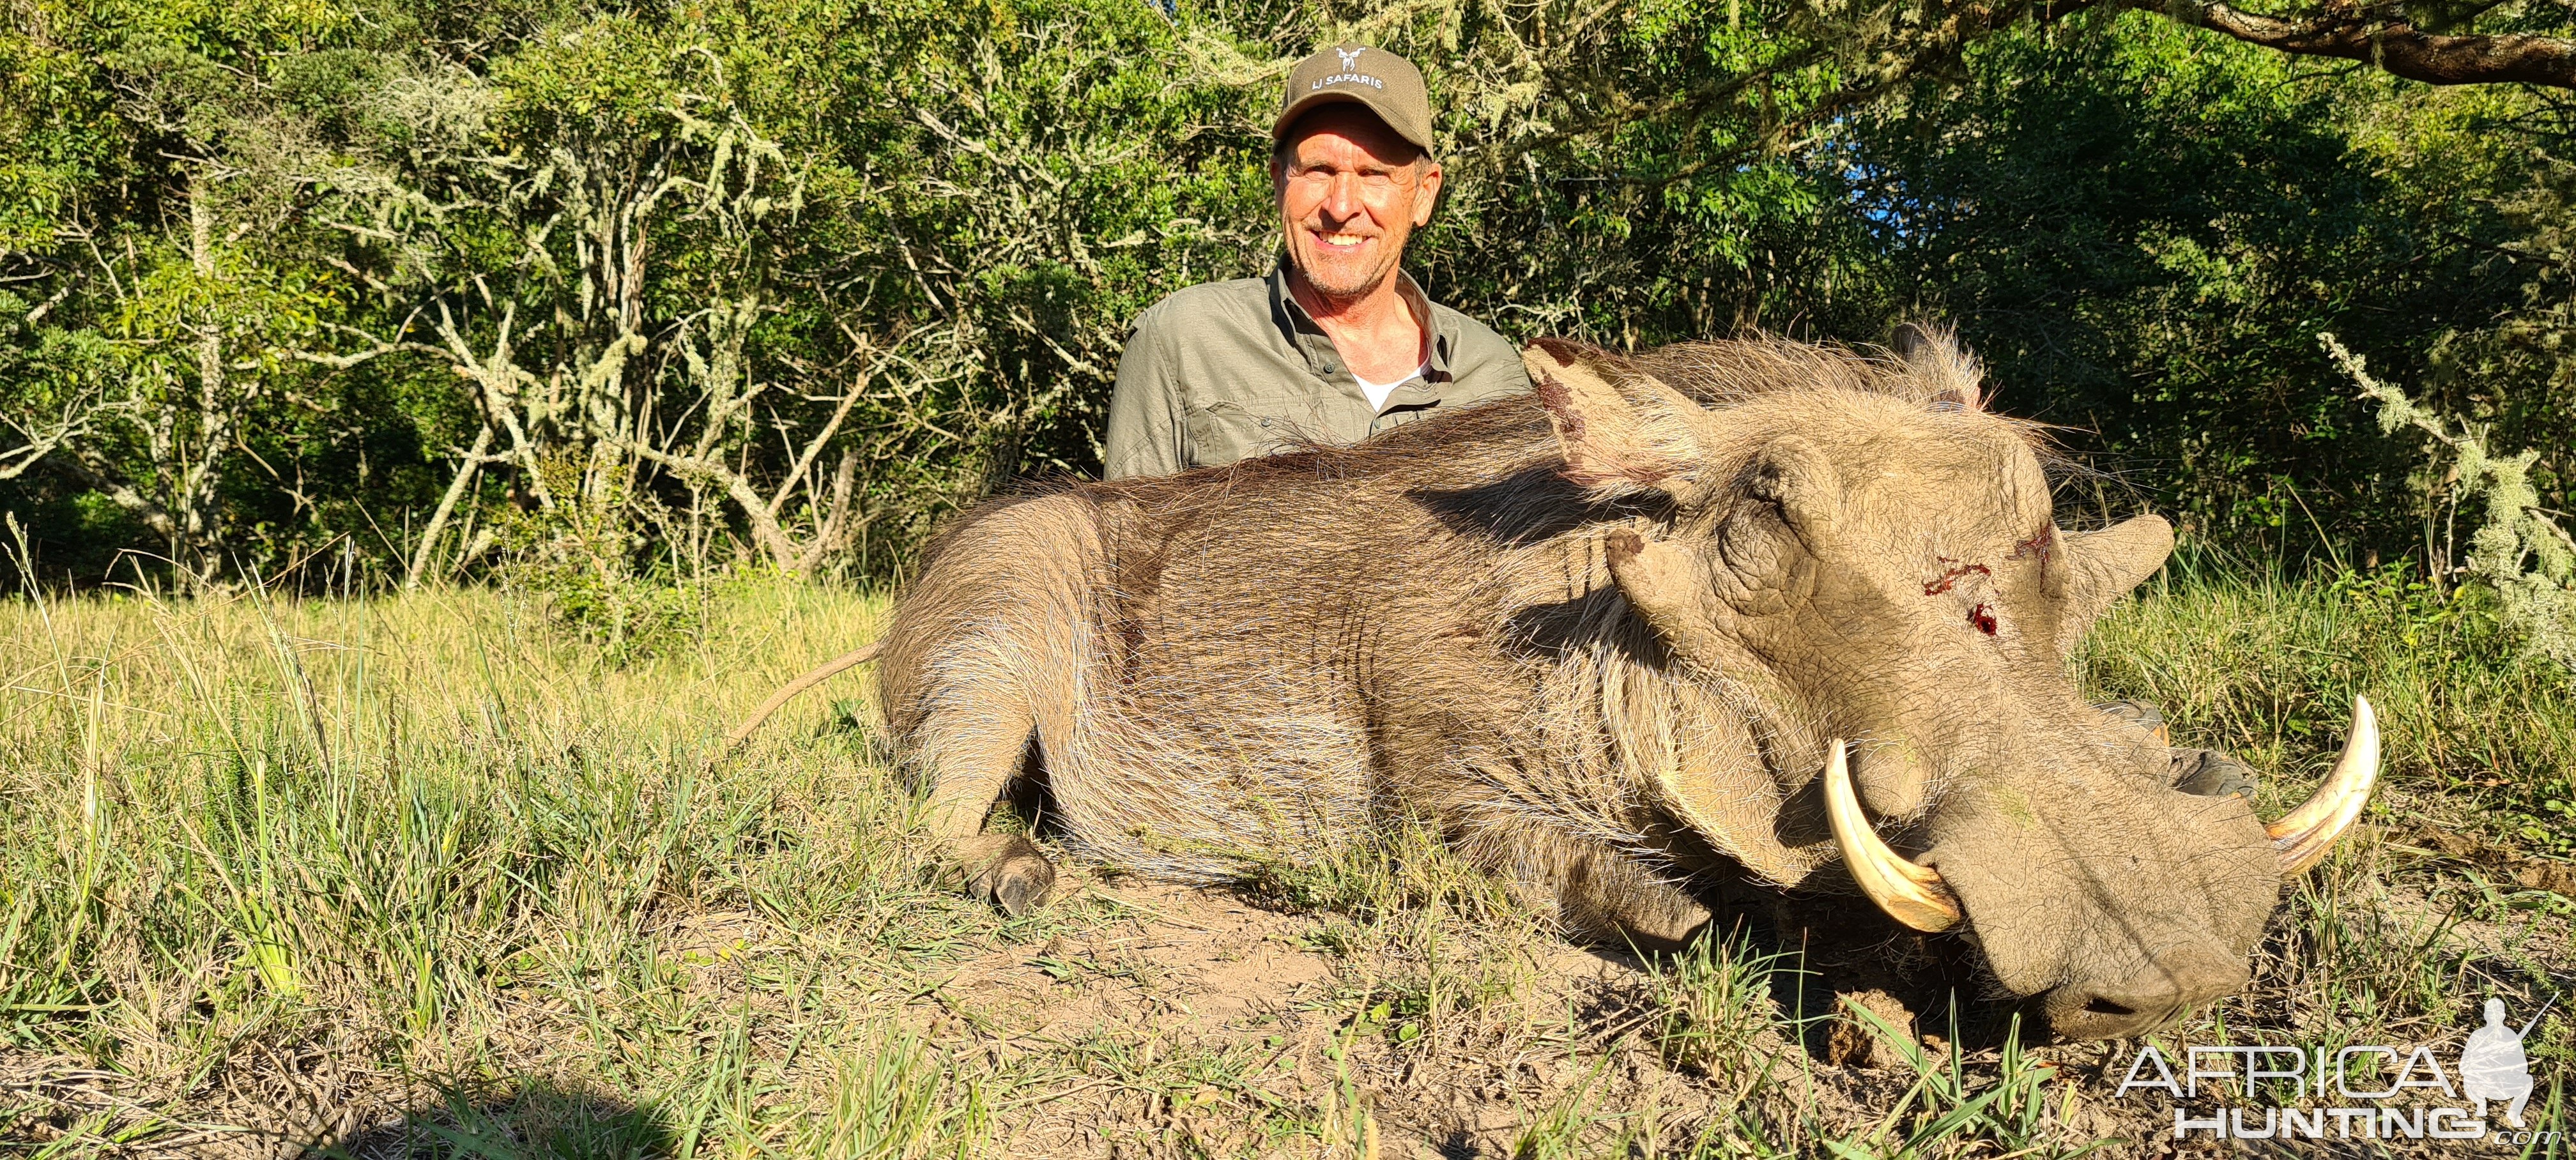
1338, 342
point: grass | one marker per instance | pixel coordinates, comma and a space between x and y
444, 875
2476, 730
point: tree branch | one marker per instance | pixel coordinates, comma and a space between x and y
2394, 45
475, 458
764, 526
814, 447
836, 529
153, 515
74, 424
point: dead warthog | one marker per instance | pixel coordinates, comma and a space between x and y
1758, 603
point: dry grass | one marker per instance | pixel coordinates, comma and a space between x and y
435, 875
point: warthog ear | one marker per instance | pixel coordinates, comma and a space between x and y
2103, 566
1933, 353
1623, 431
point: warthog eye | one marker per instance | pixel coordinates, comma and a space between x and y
1984, 618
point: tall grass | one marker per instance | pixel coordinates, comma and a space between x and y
440, 874
251, 843
2478, 732
2428, 910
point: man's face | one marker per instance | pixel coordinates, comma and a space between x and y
1350, 192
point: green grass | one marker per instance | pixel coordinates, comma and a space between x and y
2478, 733
444, 875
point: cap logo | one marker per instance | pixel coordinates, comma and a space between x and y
1350, 74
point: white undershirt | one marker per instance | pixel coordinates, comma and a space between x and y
1377, 392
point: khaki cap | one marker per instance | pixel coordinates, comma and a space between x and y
1387, 84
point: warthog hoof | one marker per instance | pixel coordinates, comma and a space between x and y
2140, 714
2211, 774
2195, 771
1011, 873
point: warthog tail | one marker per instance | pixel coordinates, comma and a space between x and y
821, 673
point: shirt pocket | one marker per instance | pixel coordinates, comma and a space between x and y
1226, 430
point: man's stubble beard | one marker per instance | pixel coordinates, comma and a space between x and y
1339, 283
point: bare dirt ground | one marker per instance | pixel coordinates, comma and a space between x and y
1575, 1052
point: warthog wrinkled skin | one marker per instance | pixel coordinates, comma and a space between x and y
1601, 638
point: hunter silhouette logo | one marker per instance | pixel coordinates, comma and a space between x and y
2493, 1067
1350, 58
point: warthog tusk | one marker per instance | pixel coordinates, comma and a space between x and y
1911, 894
2305, 834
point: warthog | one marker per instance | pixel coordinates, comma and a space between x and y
1709, 609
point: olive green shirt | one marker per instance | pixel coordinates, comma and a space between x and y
1230, 370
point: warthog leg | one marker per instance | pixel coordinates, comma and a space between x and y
1597, 892
983, 660
965, 751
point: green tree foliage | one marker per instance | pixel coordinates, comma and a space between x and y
788, 278
374, 293
2143, 231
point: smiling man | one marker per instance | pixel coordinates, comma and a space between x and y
1338, 342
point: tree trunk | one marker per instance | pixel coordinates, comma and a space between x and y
195, 490
465, 472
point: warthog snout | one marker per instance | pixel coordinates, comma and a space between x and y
2178, 978
2117, 906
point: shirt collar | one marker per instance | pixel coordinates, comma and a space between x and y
1302, 331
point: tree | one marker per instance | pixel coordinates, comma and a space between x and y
430, 289
2142, 231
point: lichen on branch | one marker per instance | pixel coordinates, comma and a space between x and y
2518, 550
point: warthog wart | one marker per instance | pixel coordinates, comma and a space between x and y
1710, 609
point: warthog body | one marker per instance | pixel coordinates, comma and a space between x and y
1603, 639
